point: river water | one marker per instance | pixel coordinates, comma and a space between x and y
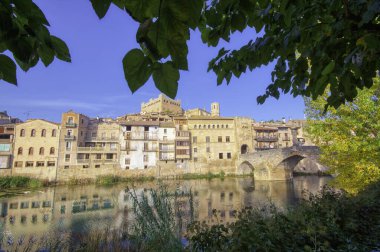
74, 208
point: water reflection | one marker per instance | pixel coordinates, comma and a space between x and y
74, 208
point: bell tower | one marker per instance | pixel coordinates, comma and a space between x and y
215, 110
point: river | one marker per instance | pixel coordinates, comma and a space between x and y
75, 208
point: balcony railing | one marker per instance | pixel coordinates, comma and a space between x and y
166, 158
71, 125
96, 149
102, 139
141, 137
260, 148
70, 138
266, 138
167, 149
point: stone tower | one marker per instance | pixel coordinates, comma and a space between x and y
215, 111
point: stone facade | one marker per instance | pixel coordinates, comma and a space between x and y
163, 140
36, 149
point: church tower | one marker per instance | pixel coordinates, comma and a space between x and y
215, 111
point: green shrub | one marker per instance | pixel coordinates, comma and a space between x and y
19, 182
328, 221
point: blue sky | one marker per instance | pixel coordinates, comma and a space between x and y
94, 83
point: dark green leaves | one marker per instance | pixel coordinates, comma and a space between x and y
61, 49
137, 69
24, 33
101, 7
166, 78
7, 69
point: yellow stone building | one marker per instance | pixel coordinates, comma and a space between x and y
162, 104
36, 145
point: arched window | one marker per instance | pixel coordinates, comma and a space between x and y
19, 151
43, 133
33, 133
195, 126
30, 151
53, 133
204, 126
217, 126
200, 126
22, 133
213, 126
42, 150
222, 126
226, 126
208, 126
52, 151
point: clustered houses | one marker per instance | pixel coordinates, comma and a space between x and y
161, 140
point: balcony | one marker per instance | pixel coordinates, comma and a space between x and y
71, 125
166, 158
145, 137
266, 138
70, 138
102, 139
96, 149
286, 139
182, 156
150, 149
261, 148
167, 149
182, 135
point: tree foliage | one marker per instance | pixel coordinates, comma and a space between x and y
313, 43
24, 33
349, 137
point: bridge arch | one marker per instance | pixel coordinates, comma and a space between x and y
245, 168
284, 169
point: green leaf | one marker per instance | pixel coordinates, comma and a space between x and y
61, 49
166, 78
238, 22
8, 69
329, 68
101, 7
137, 69
46, 54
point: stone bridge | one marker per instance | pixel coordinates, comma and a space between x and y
276, 164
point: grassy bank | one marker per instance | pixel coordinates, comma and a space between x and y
12, 182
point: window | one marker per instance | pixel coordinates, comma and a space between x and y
43, 133
207, 139
109, 156
46, 204
229, 155
52, 151
24, 205
53, 133
195, 126
220, 155
30, 152
208, 149
195, 159
146, 128
195, 139
66, 167
42, 151
70, 120
165, 131
67, 158
35, 204
208, 126
213, 126
113, 146
19, 151
50, 163
97, 166
85, 166
69, 132
227, 139
98, 156
222, 126
29, 164
129, 128
33, 133
195, 150
226, 126
217, 126
18, 164
127, 161
68, 146
220, 139
40, 164
146, 158
13, 206
22, 133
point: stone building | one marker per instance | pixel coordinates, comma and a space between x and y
36, 146
7, 128
88, 147
139, 146
166, 141
162, 104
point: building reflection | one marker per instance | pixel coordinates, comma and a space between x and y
78, 207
